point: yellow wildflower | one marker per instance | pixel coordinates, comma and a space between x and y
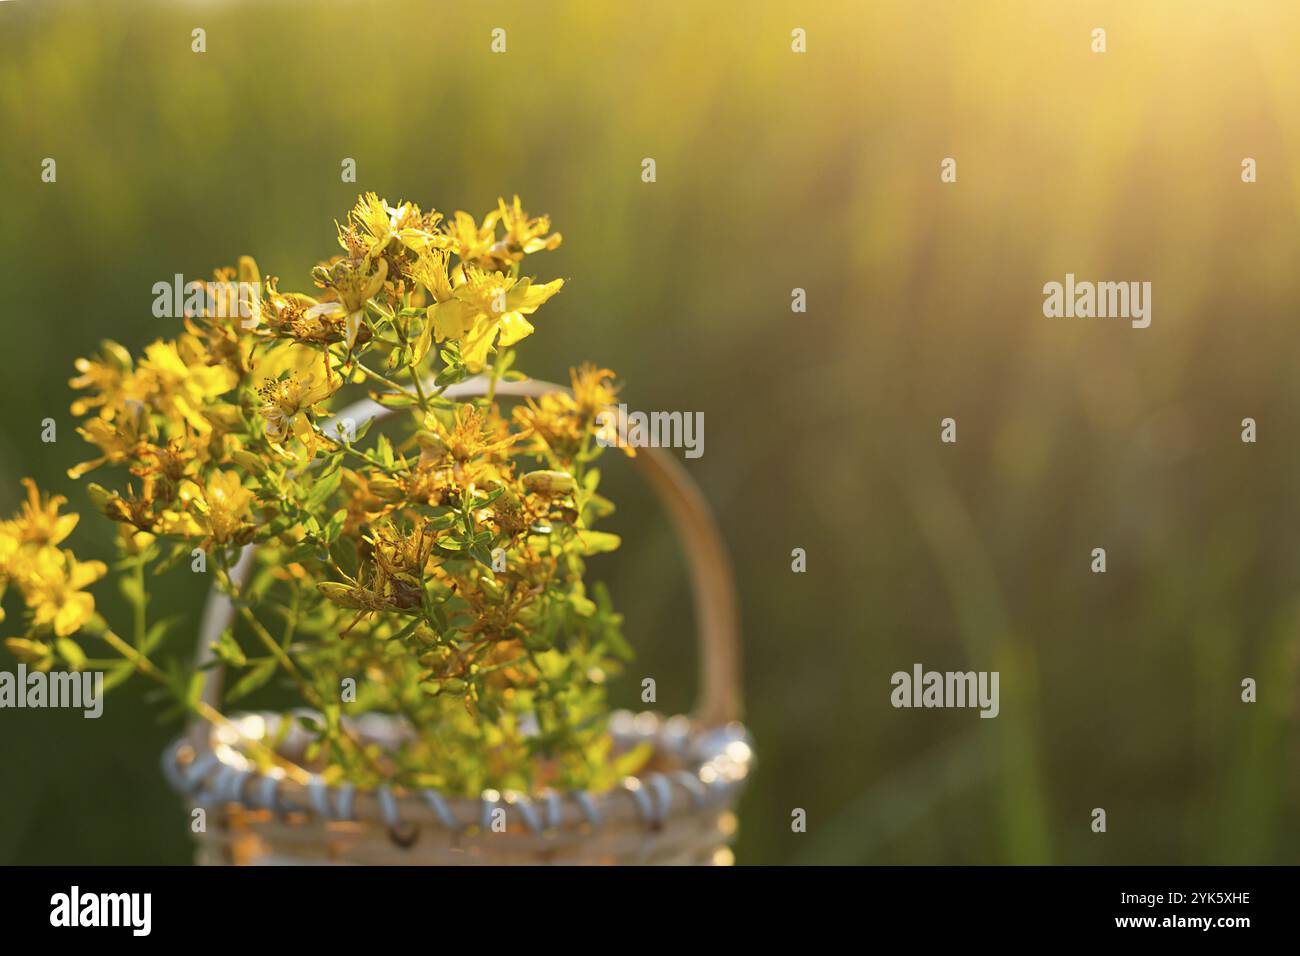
220, 511
288, 403
463, 236
488, 311
353, 282
113, 380
296, 316
593, 389
473, 447
53, 586
8, 548
430, 270
522, 234
291, 381
232, 306
558, 422
182, 383
39, 522
380, 223
120, 440
8, 552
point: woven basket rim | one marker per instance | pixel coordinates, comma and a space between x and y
715, 762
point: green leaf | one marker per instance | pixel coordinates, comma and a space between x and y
334, 526
423, 343
596, 542
451, 375
406, 630
344, 553
195, 689
482, 502
118, 675
227, 649
301, 552
332, 462
321, 489
598, 506
251, 681
157, 632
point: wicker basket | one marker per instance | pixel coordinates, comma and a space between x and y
679, 810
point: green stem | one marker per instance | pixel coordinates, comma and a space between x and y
308, 692
385, 380
419, 387
353, 450
282, 658
199, 707
138, 603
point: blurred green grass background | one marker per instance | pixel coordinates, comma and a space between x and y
775, 171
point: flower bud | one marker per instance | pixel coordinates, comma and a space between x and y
248, 271
550, 483
107, 503
116, 355
99, 496
37, 653
339, 593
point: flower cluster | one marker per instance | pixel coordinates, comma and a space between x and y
432, 568
51, 579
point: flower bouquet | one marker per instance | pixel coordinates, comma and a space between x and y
410, 566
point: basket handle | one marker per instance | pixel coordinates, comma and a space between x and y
713, 590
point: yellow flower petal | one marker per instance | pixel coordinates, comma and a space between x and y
452, 319
77, 609
526, 297
513, 328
